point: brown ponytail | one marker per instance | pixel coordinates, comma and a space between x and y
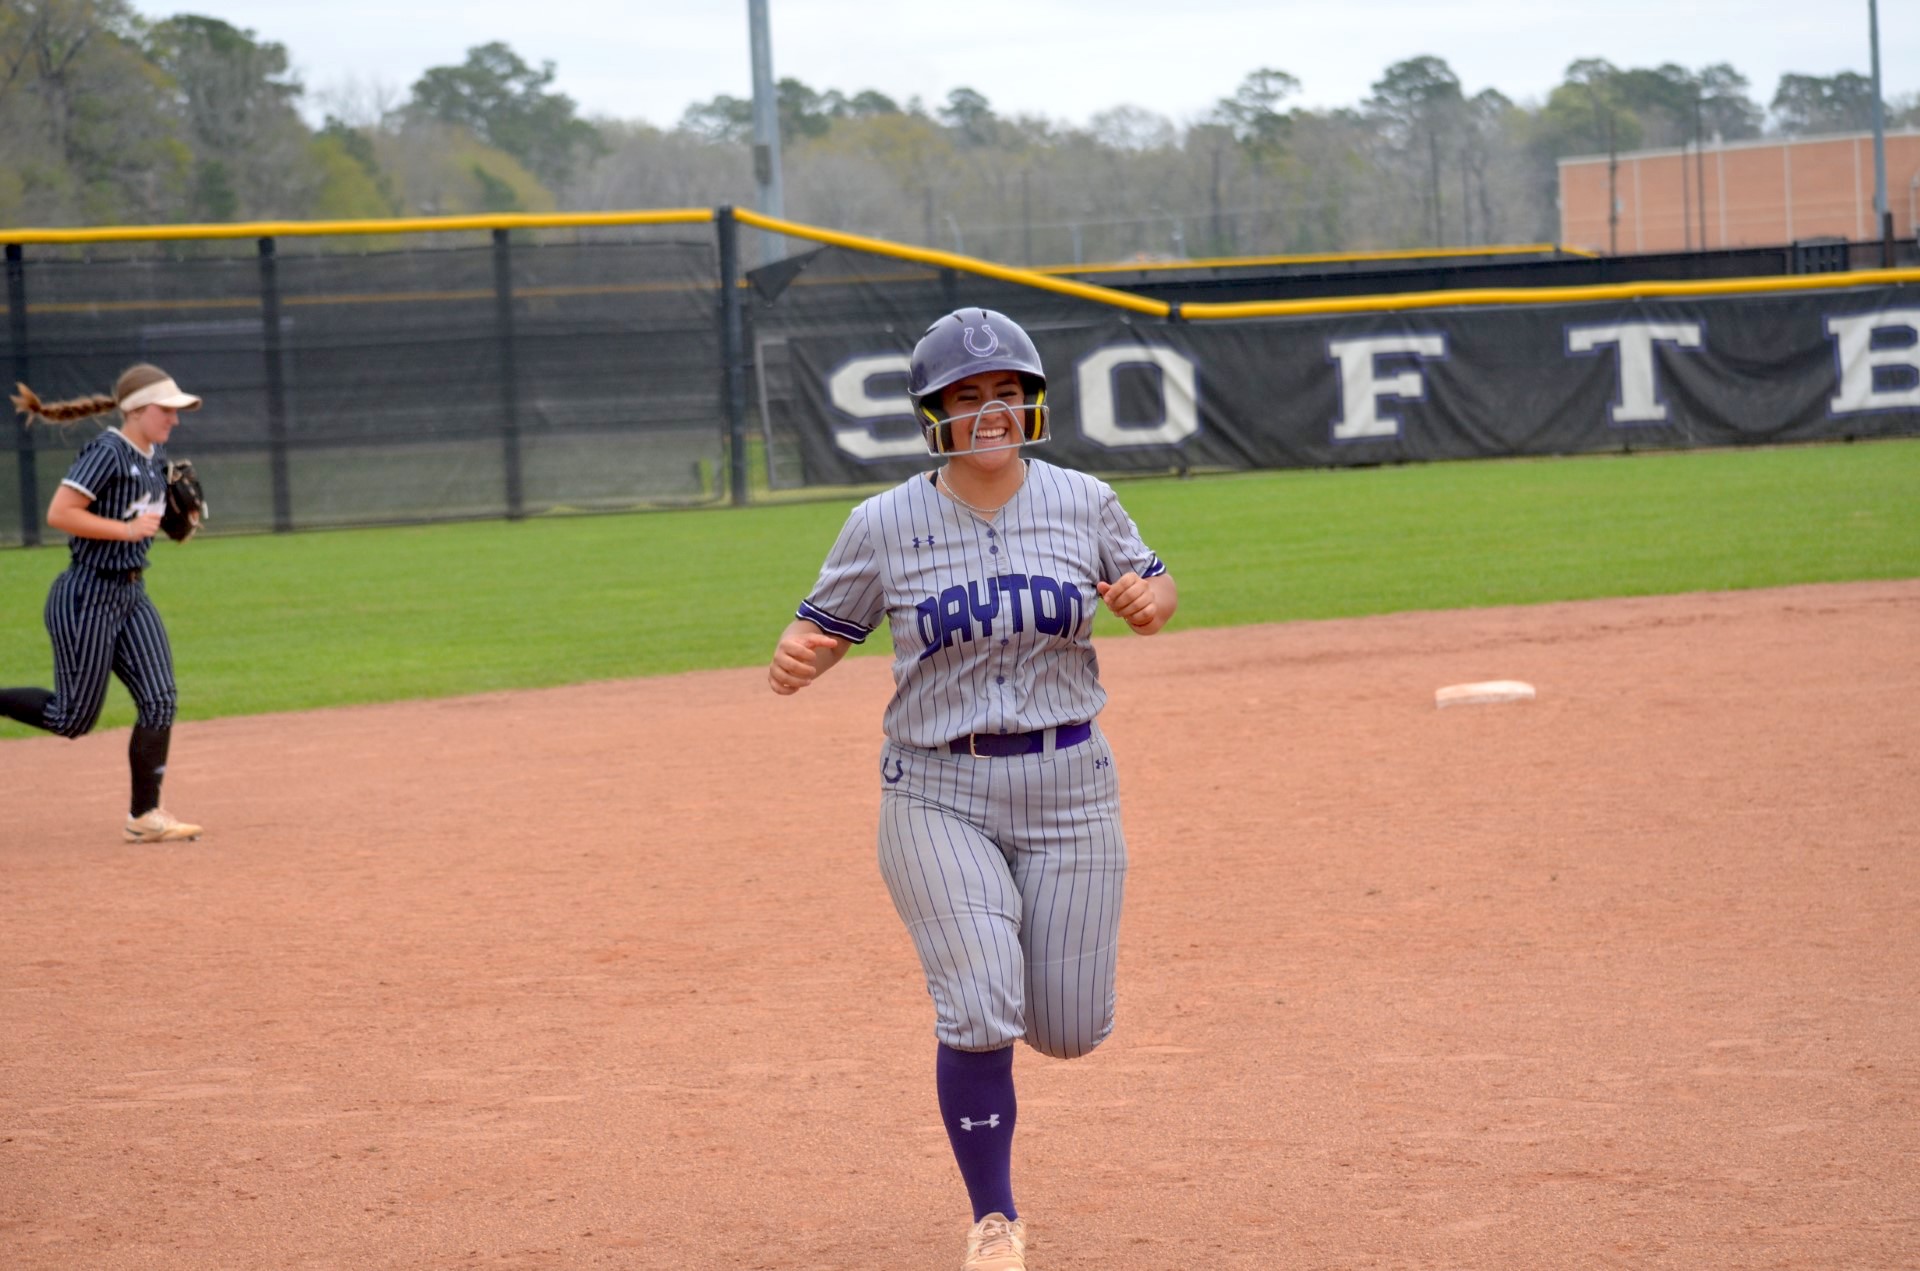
131, 381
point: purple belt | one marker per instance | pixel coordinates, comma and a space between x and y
1002, 745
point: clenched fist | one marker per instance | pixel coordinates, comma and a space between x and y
801, 657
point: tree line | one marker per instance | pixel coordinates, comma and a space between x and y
111, 118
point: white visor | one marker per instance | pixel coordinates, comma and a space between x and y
164, 393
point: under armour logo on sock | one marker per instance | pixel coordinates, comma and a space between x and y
991, 1123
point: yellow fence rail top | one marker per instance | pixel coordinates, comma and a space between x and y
1317, 258
952, 260
391, 225
1544, 295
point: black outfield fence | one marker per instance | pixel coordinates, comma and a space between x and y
490, 380
507, 372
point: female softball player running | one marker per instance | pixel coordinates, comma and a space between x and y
98, 613
999, 829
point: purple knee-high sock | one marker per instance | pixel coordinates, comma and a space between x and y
977, 1104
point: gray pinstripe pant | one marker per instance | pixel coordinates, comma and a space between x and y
1008, 873
103, 626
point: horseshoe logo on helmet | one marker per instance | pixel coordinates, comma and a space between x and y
988, 349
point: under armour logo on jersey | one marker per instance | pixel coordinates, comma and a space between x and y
991, 1123
988, 346
899, 771
1103, 762
923, 542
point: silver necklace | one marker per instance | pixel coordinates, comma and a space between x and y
985, 514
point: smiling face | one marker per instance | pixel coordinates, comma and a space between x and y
150, 425
988, 417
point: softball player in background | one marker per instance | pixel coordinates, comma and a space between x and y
999, 834
98, 613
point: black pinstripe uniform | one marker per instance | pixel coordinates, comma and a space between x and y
101, 620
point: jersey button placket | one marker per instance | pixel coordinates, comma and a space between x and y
1001, 653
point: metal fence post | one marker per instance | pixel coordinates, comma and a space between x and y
276, 387
509, 374
732, 338
25, 459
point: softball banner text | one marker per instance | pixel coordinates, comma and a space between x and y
1440, 384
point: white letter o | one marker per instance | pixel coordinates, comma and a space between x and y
1179, 404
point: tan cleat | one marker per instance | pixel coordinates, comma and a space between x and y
994, 1244
159, 826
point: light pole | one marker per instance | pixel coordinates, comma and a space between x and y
1613, 171
1879, 142
766, 128
1700, 167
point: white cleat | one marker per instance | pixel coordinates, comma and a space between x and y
996, 1244
159, 826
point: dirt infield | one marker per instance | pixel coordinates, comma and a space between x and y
606, 976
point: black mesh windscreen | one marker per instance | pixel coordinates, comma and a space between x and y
419, 384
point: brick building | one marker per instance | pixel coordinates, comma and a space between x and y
1739, 194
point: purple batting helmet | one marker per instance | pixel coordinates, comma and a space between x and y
966, 342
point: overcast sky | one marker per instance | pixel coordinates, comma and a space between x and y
1064, 59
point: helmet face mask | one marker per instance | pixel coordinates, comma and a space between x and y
1028, 423
965, 343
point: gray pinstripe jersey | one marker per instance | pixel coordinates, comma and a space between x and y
991, 620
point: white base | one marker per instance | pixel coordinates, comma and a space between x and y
1484, 692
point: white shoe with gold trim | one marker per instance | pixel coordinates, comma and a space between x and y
996, 1244
160, 826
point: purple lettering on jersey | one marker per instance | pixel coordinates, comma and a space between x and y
1049, 615
1058, 609
984, 611
954, 620
927, 614
1011, 585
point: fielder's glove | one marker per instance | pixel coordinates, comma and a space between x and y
186, 505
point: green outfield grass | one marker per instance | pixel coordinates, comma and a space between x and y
275, 623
